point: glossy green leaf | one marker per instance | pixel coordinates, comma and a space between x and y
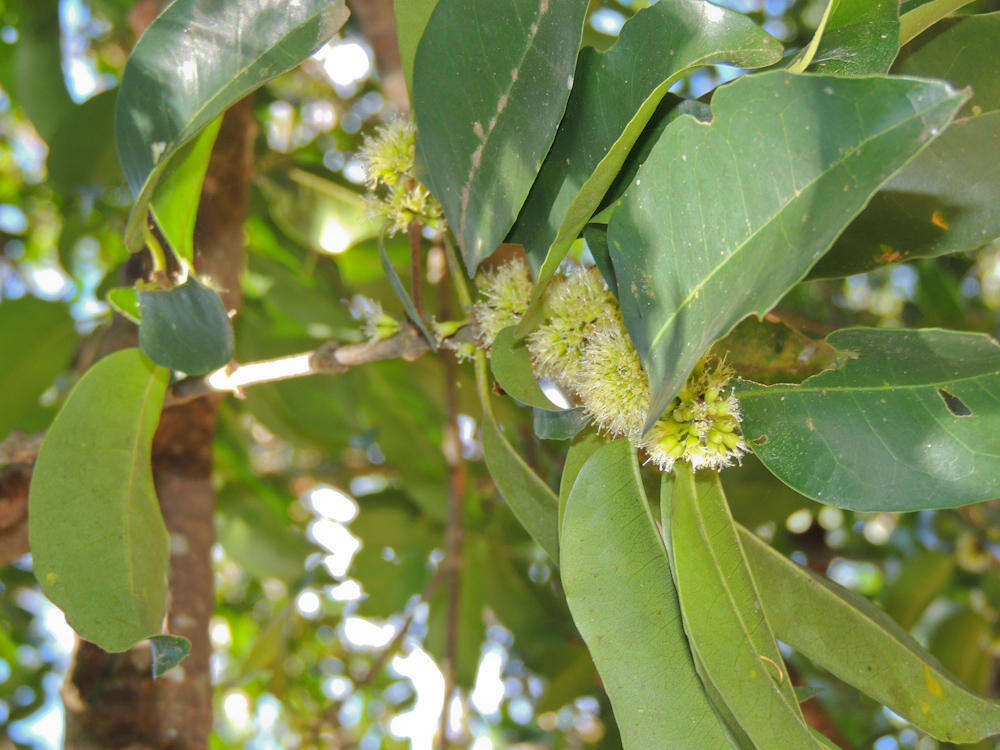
615, 94
511, 366
168, 651
98, 541
617, 581
198, 58
723, 618
922, 17
861, 37
411, 20
802, 59
944, 200
912, 423
125, 301
177, 195
856, 641
185, 328
403, 294
532, 502
85, 129
921, 581
559, 425
576, 457
317, 213
690, 266
37, 342
513, 63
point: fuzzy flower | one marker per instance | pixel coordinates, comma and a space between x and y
394, 192
574, 305
375, 323
701, 426
611, 384
505, 291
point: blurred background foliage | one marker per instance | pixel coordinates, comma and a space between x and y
333, 489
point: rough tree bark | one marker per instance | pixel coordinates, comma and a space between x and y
111, 699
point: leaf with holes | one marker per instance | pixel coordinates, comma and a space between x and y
800, 155
912, 423
615, 93
845, 633
513, 64
723, 617
198, 58
944, 201
97, 538
617, 580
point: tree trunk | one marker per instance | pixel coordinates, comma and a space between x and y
111, 699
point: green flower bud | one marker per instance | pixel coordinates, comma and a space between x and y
505, 292
612, 385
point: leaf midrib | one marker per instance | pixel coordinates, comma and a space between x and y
779, 389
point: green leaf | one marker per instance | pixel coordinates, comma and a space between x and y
804, 57
511, 366
185, 328
469, 620
919, 19
617, 580
317, 213
411, 20
85, 129
772, 352
614, 95
176, 198
912, 423
723, 617
168, 651
37, 342
513, 64
690, 266
39, 86
125, 301
576, 457
849, 636
403, 295
559, 425
861, 38
943, 201
532, 502
921, 581
198, 58
98, 541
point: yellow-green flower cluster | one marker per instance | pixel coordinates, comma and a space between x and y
582, 346
394, 192
505, 291
701, 426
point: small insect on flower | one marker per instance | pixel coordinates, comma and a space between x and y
611, 384
575, 303
505, 291
394, 192
701, 426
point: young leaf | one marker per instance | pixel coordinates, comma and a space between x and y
168, 651
511, 366
176, 198
861, 37
185, 328
617, 580
530, 499
944, 200
97, 538
615, 93
912, 423
513, 64
723, 617
689, 266
917, 20
856, 641
37, 342
193, 62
